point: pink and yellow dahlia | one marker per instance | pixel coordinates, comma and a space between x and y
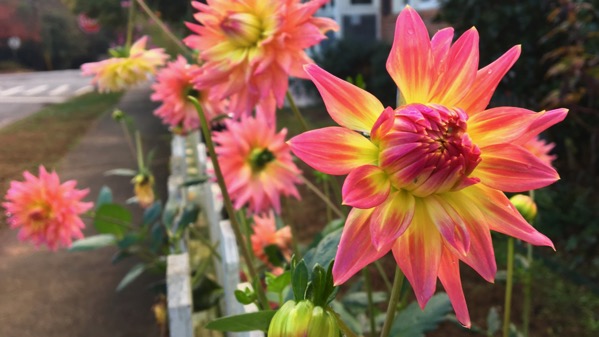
46, 211
173, 85
425, 179
121, 73
266, 234
256, 164
251, 47
541, 149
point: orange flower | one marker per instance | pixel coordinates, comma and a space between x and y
266, 234
425, 179
251, 47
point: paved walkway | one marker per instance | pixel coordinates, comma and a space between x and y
66, 294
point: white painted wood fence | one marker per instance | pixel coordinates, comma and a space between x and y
188, 158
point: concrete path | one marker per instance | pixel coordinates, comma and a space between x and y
72, 294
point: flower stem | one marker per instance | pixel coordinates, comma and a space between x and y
139, 149
130, 24
527, 284
381, 271
508, 287
368, 286
254, 279
164, 28
393, 300
344, 328
323, 197
296, 111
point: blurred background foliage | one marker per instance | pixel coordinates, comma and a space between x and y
559, 67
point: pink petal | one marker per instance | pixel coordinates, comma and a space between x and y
365, 187
486, 82
511, 168
500, 125
462, 64
418, 254
410, 60
449, 223
502, 216
334, 150
348, 105
355, 248
392, 218
545, 120
440, 44
449, 275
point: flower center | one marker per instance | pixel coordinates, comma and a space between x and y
425, 149
38, 215
243, 29
259, 158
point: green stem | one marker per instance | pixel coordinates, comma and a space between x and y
128, 138
139, 149
368, 285
381, 271
294, 234
164, 28
344, 328
130, 24
508, 287
527, 284
323, 197
296, 111
393, 300
327, 193
245, 251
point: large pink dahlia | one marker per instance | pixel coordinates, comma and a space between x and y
251, 47
256, 164
425, 179
173, 85
46, 211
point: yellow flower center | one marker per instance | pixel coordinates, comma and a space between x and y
259, 158
243, 29
38, 216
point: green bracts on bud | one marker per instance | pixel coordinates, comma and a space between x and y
303, 320
526, 206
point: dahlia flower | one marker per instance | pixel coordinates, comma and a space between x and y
46, 211
540, 148
173, 85
425, 179
251, 47
121, 73
266, 234
256, 164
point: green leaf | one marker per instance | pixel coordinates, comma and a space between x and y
129, 240
119, 256
93, 242
325, 251
123, 172
152, 213
133, 273
299, 280
414, 322
348, 318
245, 322
493, 322
277, 284
358, 301
157, 236
244, 297
189, 216
112, 219
274, 255
104, 197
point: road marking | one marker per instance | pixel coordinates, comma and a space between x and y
35, 90
84, 90
11, 91
30, 99
60, 90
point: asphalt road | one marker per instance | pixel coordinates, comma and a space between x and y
22, 94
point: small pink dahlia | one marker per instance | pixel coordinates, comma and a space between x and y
266, 234
256, 164
251, 47
541, 149
46, 211
173, 85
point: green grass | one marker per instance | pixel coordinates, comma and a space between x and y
46, 136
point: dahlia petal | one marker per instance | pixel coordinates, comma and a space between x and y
503, 217
481, 256
392, 218
486, 82
355, 248
440, 44
409, 62
500, 125
348, 105
511, 168
418, 254
334, 150
449, 223
449, 275
545, 120
462, 64
365, 187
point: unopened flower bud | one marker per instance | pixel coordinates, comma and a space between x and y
143, 186
118, 115
526, 206
303, 319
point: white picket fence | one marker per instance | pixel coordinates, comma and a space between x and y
188, 159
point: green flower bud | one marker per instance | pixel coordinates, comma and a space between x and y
303, 320
526, 206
